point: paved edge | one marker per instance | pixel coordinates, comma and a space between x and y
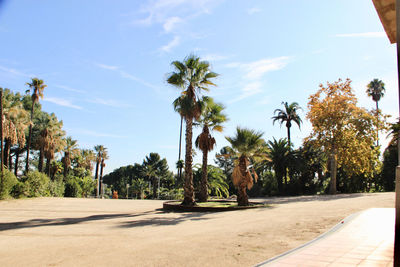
334, 229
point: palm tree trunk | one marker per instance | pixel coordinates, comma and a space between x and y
333, 162
28, 146
242, 199
1, 140
180, 146
6, 151
203, 196
288, 136
377, 124
16, 161
41, 159
188, 187
10, 161
101, 177
48, 161
96, 177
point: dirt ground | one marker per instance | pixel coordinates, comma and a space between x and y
95, 232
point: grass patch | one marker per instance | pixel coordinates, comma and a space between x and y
217, 204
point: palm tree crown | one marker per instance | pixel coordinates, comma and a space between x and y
376, 89
288, 115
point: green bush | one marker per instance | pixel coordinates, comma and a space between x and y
36, 184
57, 188
87, 185
9, 181
19, 190
72, 188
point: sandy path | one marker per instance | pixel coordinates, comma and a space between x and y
91, 232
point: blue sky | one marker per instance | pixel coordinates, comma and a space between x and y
105, 63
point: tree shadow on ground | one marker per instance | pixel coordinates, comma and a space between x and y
292, 199
155, 220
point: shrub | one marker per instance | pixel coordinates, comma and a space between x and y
19, 190
72, 188
87, 185
57, 188
36, 184
9, 181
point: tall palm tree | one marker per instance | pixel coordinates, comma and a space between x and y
211, 119
376, 89
37, 87
104, 156
56, 142
278, 152
177, 108
247, 147
192, 76
288, 115
99, 151
70, 150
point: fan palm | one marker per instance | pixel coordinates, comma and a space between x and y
37, 87
70, 150
278, 152
99, 151
376, 89
211, 119
192, 76
104, 156
247, 146
288, 115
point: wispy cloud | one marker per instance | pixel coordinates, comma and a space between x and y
248, 90
108, 102
363, 35
125, 74
253, 73
174, 42
68, 88
170, 23
62, 102
96, 134
256, 69
15, 72
253, 10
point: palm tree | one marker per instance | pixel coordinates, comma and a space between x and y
192, 76
247, 146
37, 86
56, 142
278, 152
99, 151
211, 119
376, 89
104, 156
70, 150
177, 108
288, 115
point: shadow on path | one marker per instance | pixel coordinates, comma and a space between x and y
292, 199
157, 220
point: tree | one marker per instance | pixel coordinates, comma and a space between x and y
218, 185
344, 131
154, 169
104, 156
99, 151
179, 166
278, 152
70, 151
37, 86
376, 90
288, 115
211, 119
247, 147
192, 76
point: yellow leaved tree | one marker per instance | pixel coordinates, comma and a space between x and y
344, 131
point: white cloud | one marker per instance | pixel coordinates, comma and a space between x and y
106, 67
68, 88
253, 10
363, 34
61, 102
173, 43
256, 69
15, 72
248, 90
170, 23
108, 102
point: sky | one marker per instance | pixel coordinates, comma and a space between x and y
105, 64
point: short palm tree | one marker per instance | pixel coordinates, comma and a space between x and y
211, 119
247, 147
278, 152
288, 115
192, 76
70, 150
37, 87
376, 89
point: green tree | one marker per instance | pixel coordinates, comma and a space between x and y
139, 187
192, 76
344, 131
288, 115
99, 149
247, 147
279, 152
211, 119
155, 169
217, 181
37, 87
70, 151
104, 156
